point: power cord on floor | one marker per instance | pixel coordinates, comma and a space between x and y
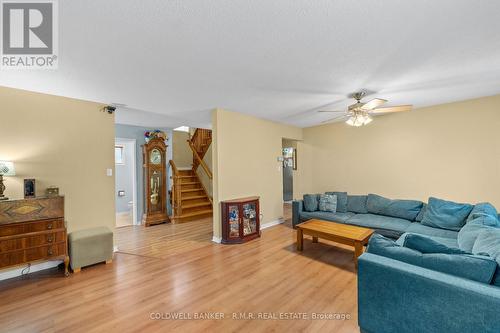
26, 270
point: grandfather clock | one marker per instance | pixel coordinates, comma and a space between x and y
155, 182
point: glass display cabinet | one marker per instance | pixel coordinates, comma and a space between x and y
240, 220
155, 182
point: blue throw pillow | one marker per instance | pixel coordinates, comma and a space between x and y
328, 203
404, 209
311, 202
357, 204
477, 268
386, 247
420, 215
482, 209
468, 234
425, 244
341, 201
446, 214
488, 243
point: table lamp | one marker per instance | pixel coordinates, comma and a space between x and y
6, 169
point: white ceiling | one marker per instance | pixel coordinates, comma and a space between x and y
279, 59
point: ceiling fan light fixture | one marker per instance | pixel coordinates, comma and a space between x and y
359, 120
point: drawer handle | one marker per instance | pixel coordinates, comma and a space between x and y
49, 226
50, 252
50, 239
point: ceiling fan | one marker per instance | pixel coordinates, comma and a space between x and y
360, 113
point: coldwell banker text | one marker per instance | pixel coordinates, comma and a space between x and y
29, 34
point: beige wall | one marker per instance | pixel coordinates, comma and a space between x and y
63, 142
450, 151
245, 152
181, 152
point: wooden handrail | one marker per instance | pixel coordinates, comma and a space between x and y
174, 167
176, 190
201, 140
201, 161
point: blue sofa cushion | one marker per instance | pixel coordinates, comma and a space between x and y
446, 214
427, 244
420, 215
404, 209
488, 243
477, 268
468, 234
311, 202
341, 201
449, 242
482, 209
386, 225
327, 216
418, 228
357, 204
396, 297
328, 203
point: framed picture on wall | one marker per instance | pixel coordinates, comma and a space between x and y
290, 157
294, 158
29, 188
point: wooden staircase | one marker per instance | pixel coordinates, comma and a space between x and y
189, 198
199, 143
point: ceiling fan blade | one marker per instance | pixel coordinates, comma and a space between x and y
399, 108
373, 104
329, 111
345, 115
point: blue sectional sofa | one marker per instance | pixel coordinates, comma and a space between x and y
431, 267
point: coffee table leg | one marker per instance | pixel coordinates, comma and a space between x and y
300, 239
358, 250
315, 239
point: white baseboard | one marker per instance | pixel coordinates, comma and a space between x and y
216, 239
272, 223
8, 274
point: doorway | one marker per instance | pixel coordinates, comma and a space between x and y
125, 182
289, 151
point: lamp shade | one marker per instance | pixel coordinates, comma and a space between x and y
7, 168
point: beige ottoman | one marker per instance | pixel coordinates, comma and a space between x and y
90, 246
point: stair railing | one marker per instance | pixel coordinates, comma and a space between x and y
200, 161
200, 140
176, 190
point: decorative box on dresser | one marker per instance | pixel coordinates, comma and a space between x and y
32, 230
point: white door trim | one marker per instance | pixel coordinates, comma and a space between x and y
135, 220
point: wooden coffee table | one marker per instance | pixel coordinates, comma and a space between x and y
341, 233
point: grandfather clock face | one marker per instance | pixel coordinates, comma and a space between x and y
155, 157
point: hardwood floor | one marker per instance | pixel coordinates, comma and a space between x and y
169, 269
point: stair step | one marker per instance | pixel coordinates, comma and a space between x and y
200, 204
192, 190
183, 177
190, 183
194, 197
198, 212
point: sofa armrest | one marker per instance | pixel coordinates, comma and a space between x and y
297, 207
396, 297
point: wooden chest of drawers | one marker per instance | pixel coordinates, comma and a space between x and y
32, 230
